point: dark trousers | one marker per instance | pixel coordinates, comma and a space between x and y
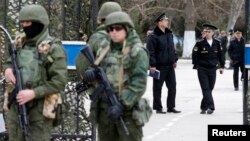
207, 78
167, 75
236, 74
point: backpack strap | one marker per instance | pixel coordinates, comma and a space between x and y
103, 54
125, 51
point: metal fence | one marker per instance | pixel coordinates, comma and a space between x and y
69, 20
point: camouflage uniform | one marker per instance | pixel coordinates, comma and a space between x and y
135, 64
54, 67
100, 37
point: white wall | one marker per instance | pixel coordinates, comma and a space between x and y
2, 126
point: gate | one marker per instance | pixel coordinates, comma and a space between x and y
68, 20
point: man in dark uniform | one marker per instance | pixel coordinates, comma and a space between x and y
206, 55
236, 54
163, 58
223, 40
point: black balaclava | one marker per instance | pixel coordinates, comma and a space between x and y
33, 30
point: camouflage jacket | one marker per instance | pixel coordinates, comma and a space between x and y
52, 62
135, 64
99, 38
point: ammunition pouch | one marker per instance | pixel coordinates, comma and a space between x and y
9, 97
54, 108
142, 112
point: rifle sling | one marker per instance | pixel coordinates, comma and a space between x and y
125, 51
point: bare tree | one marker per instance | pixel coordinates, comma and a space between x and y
221, 13
236, 7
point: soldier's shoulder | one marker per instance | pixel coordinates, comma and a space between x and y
98, 35
138, 49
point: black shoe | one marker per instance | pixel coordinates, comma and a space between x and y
203, 112
160, 112
210, 111
173, 111
236, 89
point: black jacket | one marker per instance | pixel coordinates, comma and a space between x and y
236, 50
161, 48
224, 41
207, 56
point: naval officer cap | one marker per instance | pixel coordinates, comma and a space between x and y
237, 30
160, 17
209, 27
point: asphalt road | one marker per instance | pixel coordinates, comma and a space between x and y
190, 125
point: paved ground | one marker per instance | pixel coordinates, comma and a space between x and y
190, 125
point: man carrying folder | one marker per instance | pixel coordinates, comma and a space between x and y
163, 58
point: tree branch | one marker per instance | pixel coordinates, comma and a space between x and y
216, 5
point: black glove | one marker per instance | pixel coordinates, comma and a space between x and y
115, 111
89, 75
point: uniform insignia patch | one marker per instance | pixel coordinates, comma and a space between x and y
44, 47
195, 48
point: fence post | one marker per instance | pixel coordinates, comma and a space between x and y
246, 67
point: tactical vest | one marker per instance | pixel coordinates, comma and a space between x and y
32, 61
114, 60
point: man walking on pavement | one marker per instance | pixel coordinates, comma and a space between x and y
236, 53
205, 57
163, 58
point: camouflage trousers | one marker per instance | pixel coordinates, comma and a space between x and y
39, 128
113, 131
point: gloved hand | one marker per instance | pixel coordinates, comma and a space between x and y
89, 75
115, 111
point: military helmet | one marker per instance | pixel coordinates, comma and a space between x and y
107, 8
35, 13
119, 18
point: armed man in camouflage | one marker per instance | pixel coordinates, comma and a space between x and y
44, 67
126, 65
100, 38
101, 35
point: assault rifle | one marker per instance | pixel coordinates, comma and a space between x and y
104, 85
22, 112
